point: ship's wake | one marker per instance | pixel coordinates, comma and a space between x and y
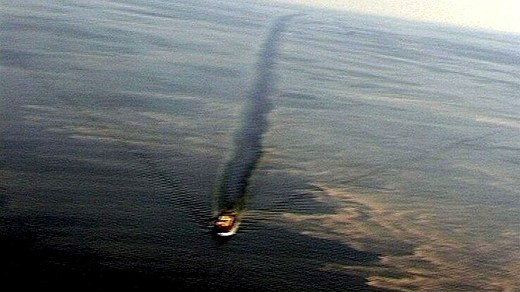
231, 192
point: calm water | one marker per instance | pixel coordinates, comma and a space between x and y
391, 158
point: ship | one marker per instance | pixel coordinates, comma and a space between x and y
226, 223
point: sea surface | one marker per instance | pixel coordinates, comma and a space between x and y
369, 153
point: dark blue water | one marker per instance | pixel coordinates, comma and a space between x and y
366, 153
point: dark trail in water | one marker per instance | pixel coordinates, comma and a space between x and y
248, 141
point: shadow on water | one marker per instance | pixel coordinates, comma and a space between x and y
267, 263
